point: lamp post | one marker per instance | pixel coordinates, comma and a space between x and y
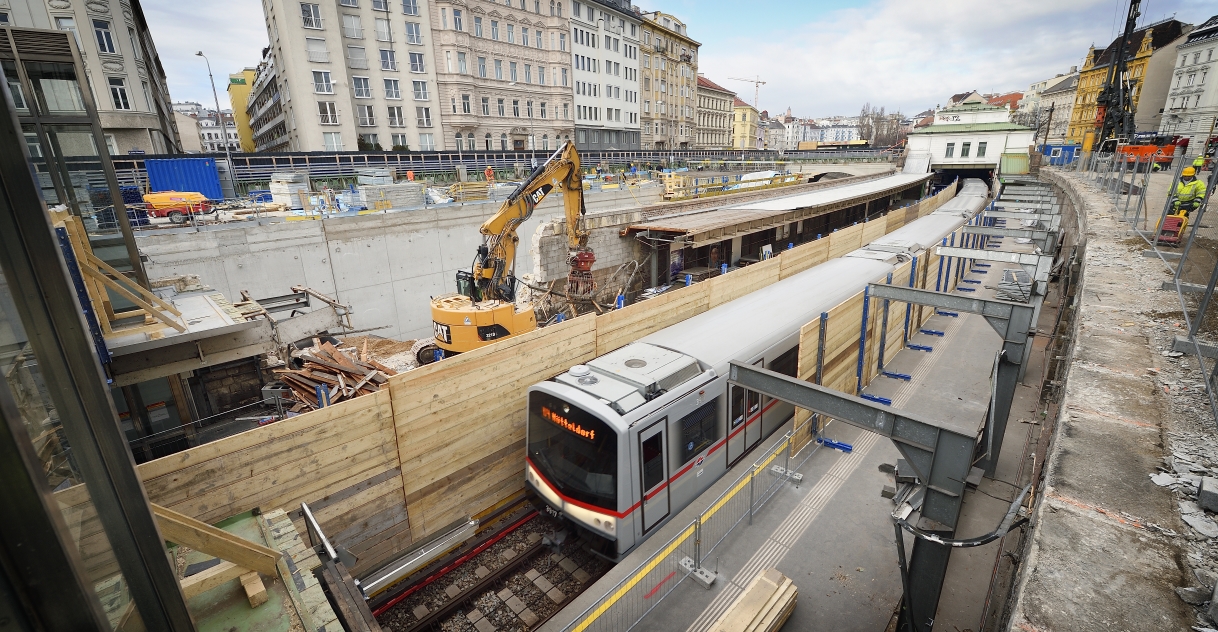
228, 157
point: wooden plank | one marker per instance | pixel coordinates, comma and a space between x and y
255, 591
873, 230
200, 536
208, 579
141, 290
131, 296
845, 240
803, 257
764, 606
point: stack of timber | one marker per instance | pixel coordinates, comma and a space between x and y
289, 188
377, 177
404, 195
333, 375
763, 607
469, 191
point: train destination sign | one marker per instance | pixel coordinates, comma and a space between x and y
566, 424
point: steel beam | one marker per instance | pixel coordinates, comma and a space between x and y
939, 455
1036, 235
1012, 321
1036, 265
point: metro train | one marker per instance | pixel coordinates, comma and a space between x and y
618, 446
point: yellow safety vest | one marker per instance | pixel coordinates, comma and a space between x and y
1189, 191
1199, 163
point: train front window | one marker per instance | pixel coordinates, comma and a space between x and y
574, 450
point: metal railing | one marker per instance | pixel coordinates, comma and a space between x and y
1108, 172
642, 590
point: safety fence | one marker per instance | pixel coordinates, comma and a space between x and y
1119, 176
643, 589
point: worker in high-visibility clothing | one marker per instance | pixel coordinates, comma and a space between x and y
1189, 193
1199, 163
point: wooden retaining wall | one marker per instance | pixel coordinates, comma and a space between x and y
446, 441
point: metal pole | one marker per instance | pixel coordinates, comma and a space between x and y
1205, 303
753, 472
1137, 211
228, 157
1167, 201
1132, 178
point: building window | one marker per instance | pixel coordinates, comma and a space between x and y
414, 33
410, 7
524, 37
423, 117
512, 70
363, 89
368, 142
511, 34
469, 142
427, 142
333, 141
566, 112
499, 69
380, 5
528, 73
503, 140
482, 67
516, 108
528, 108
400, 143
564, 77
118, 93
477, 26
315, 50
562, 41
357, 57
367, 118
349, 3
465, 107
68, 24
489, 142
495, 30
461, 65
420, 90
541, 75
392, 90
396, 119
416, 63
951, 151
981, 150
964, 149
383, 31
105, 39
135, 44
501, 109
327, 113
457, 20
545, 142
322, 83
543, 109
352, 27
389, 61
444, 18
486, 110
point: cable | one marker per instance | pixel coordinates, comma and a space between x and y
1008, 522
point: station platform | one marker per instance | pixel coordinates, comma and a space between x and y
833, 533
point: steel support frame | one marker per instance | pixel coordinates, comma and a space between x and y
1036, 265
1046, 240
1013, 321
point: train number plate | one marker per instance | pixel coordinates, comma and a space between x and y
553, 512
442, 332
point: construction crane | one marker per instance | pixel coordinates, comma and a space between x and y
484, 309
1114, 115
757, 83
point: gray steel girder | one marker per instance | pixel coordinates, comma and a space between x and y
941, 456
1012, 321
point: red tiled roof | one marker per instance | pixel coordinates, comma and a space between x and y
707, 83
740, 103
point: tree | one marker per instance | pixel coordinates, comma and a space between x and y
879, 127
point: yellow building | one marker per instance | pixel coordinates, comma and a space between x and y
744, 126
239, 86
1143, 43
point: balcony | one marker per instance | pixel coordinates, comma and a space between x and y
323, 88
353, 32
328, 119
319, 56
357, 62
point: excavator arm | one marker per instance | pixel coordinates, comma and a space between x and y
495, 266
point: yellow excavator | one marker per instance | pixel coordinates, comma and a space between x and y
484, 308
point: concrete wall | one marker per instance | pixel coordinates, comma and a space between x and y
386, 266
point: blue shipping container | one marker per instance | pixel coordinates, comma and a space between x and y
1059, 155
185, 174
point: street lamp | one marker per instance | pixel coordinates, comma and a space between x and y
220, 120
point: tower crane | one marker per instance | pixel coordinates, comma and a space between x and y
757, 83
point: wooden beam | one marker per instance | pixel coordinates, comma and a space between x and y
105, 267
255, 591
198, 535
134, 298
205, 580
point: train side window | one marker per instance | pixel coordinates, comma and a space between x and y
787, 363
698, 430
653, 461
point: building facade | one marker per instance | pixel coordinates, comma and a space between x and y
213, 138
745, 131
503, 73
1056, 106
714, 125
774, 135
350, 75
670, 72
188, 132
1143, 44
239, 85
969, 137
1192, 99
122, 68
605, 37
265, 109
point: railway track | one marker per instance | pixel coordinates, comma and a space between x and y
513, 578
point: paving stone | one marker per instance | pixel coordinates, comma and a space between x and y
555, 595
581, 576
528, 617
515, 604
481, 572
452, 591
483, 625
568, 565
508, 554
542, 584
534, 537
420, 611
474, 615
532, 574
504, 594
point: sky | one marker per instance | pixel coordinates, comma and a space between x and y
818, 57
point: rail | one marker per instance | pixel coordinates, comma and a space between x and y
624, 606
1108, 173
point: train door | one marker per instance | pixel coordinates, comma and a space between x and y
752, 427
743, 422
653, 462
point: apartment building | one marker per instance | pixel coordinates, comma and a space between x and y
122, 68
1191, 98
745, 131
670, 70
504, 74
213, 138
239, 86
714, 126
350, 75
605, 65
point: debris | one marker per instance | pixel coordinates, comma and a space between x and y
1171, 354
1207, 494
1202, 524
1162, 480
1193, 595
331, 375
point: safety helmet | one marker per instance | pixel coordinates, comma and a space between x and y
1189, 172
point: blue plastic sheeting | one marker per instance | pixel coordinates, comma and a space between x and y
185, 174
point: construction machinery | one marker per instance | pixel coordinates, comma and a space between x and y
484, 307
